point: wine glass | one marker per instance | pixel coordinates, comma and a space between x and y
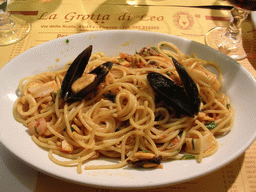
12, 29
230, 40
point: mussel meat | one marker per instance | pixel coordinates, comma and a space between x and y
183, 99
76, 86
145, 160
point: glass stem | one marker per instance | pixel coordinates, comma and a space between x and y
4, 15
237, 17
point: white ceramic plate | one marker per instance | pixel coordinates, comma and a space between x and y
253, 16
239, 85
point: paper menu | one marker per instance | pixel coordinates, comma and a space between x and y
54, 19
161, 2
69, 18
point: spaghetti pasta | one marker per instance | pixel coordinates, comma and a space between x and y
123, 117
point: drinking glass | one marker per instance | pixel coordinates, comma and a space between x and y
12, 29
230, 40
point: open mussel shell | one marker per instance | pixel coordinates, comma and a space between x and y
74, 72
189, 85
171, 93
101, 71
184, 99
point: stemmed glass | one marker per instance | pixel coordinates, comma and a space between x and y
12, 29
230, 40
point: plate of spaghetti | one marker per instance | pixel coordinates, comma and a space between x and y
138, 126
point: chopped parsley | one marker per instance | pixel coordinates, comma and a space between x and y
155, 49
36, 130
211, 125
67, 41
228, 105
186, 157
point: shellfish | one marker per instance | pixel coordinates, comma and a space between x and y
76, 85
184, 99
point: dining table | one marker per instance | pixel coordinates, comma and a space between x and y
53, 19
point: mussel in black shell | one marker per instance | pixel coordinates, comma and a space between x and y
183, 99
76, 86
